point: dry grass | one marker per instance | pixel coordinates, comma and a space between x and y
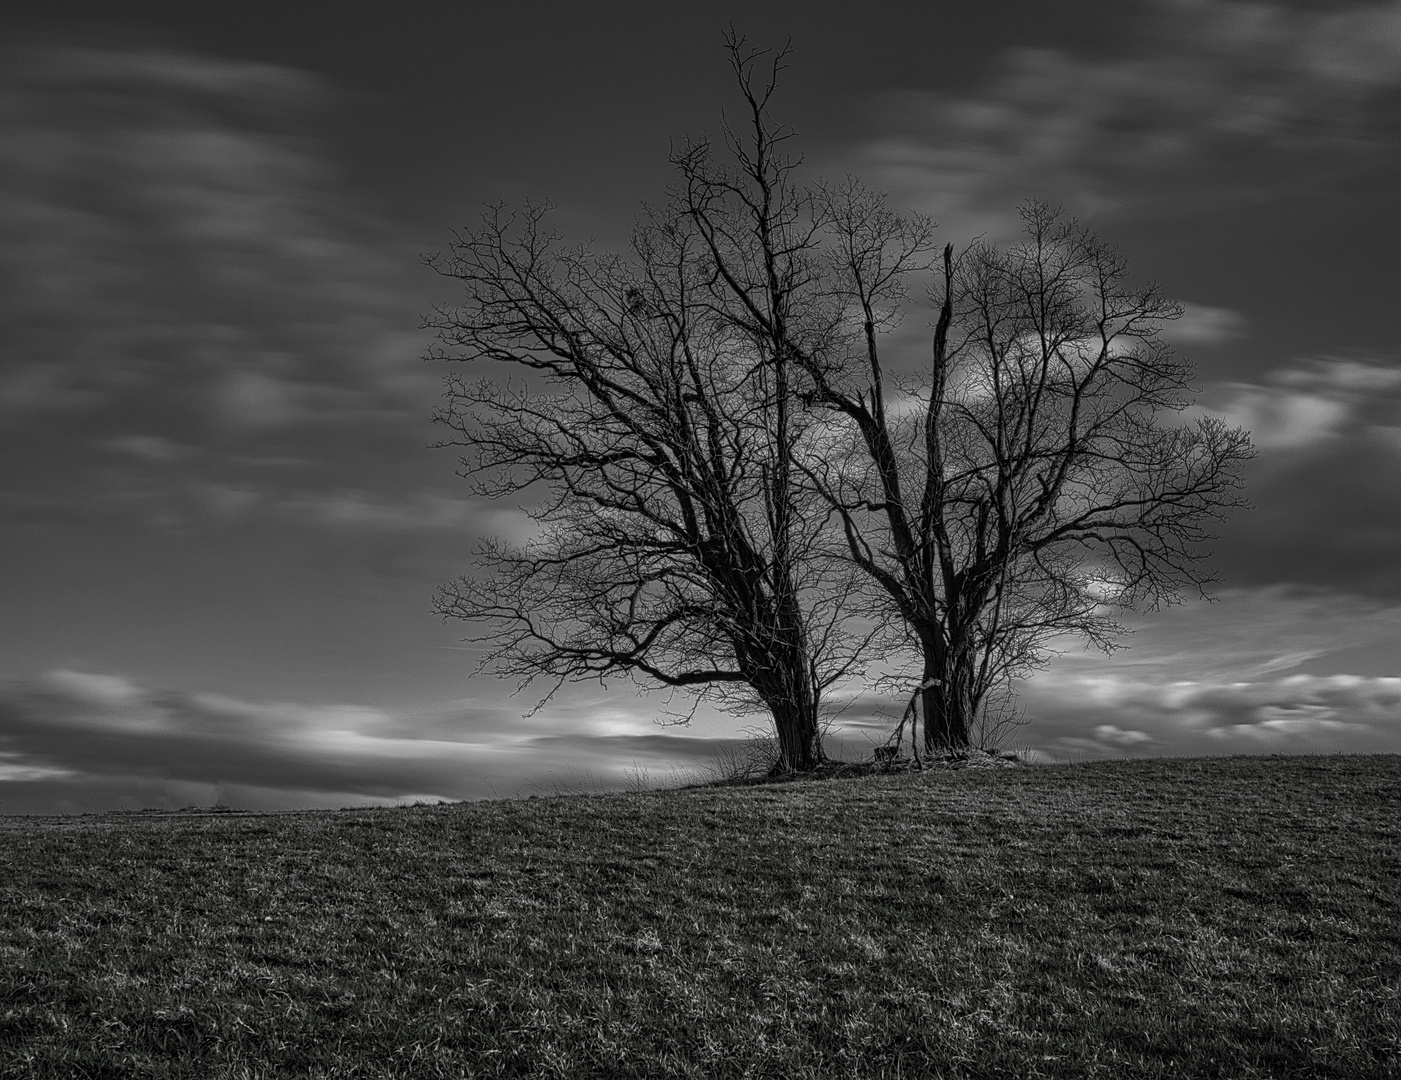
1228, 917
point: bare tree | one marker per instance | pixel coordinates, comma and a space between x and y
1038, 477
1034, 480
673, 544
726, 452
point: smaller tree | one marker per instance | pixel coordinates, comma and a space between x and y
1029, 485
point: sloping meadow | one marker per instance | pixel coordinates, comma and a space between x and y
1212, 917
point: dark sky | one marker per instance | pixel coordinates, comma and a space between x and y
220, 520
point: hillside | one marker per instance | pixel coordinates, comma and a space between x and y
1210, 917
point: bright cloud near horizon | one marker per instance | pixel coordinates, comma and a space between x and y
222, 523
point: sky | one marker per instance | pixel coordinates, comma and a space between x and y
222, 521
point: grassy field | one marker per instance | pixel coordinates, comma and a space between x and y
1233, 917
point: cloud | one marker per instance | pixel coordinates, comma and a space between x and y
1249, 635
359, 509
147, 447
181, 501
177, 245
1201, 324
1325, 483
1078, 717
193, 288
1116, 736
1312, 402
1214, 101
80, 741
1263, 670
102, 691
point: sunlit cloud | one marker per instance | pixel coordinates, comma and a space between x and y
1249, 675
1117, 736
1269, 670
1311, 402
78, 741
1112, 717
1263, 670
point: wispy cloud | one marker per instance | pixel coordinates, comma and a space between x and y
1207, 100
82, 741
1308, 403
181, 250
1202, 324
195, 290
1264, 670
1273, 670
1249, 634
147, 447
255, 497
1324, 486
359, 509
1110, 717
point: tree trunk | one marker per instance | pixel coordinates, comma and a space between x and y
792, 699
799, 743
947, 702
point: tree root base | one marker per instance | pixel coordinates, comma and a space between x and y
841, 770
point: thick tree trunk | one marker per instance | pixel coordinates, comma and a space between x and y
793, 702
792, 696
772, 653
781, 675
799, 742
947, 702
